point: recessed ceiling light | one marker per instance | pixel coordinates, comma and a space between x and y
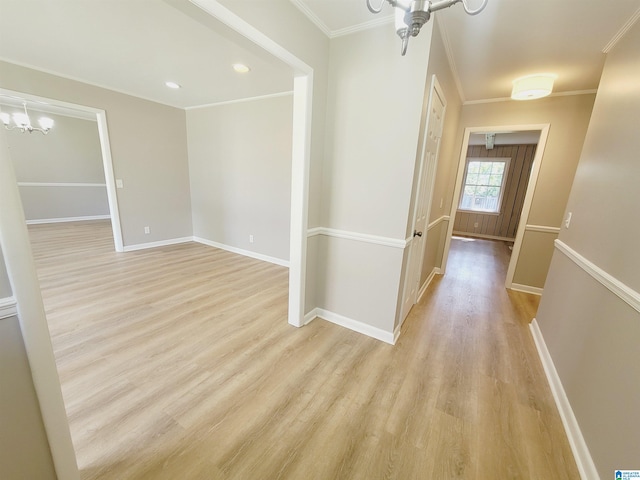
240, 68
173, 85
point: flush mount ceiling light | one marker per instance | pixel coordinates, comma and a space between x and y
411, 15
531, 87
241, 68
173, 85
22, 122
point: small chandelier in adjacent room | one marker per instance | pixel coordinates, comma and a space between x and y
411, 15
22, 122
531, 87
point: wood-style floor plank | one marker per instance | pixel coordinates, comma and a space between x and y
178, 363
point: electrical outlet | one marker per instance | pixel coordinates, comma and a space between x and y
475, 225
119, 183
250, 238
147, 230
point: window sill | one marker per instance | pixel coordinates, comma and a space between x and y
479, 212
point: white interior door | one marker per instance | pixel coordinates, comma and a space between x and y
427, 172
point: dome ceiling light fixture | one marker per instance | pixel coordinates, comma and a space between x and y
411, 15
22, 122
534, 86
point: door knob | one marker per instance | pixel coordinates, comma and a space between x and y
417, 234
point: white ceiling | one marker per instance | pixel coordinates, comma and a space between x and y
134, 46
509, 39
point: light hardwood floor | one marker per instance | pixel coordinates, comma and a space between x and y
178, 363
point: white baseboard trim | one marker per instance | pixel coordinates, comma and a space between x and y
526, 289
586, 467
355, 325
160, 243
424, 287
309, 317
8, 307
359, 237
615, 286
396, 333
240, 251
68, 219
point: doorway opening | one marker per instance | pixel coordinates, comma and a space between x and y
493, 195
64, 177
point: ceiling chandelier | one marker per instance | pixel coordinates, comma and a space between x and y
411, 15
22, 122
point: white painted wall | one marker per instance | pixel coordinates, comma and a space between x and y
240, 171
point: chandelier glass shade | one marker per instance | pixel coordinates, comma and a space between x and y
21, 121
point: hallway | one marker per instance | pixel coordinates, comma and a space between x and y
486, 389
174, 366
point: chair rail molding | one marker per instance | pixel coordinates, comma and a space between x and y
8, 307
542, 228
359, 237
60, 184
623, 291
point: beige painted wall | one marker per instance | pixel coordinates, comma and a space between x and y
592, 335
368, 171
240, 167
148, 146
308, 43
372, 133
569, 117
24, 448
70, 153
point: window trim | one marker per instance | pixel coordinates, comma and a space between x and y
507, 164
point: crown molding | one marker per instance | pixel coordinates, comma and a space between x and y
84, 81
310, 14
509, 99
620, 33
362, 26
452, 63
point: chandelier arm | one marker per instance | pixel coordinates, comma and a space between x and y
405, 44
375, 10
477, 10
435, 6
393, 3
